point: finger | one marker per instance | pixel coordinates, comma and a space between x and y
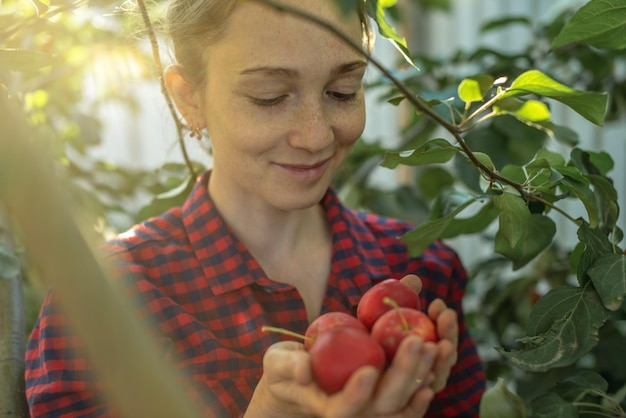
448, 326
353, 398
420, 402
444, 360
413, 282
286, 360
436, 307
410, 370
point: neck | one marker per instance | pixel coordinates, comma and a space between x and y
273, 236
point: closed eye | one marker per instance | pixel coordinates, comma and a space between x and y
268, 102
342, 97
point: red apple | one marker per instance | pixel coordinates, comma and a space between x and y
371, 306
395, 325
328, 321
338, 352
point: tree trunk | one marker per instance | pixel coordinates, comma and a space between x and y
12, 338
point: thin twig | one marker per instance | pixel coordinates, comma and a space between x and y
157, 60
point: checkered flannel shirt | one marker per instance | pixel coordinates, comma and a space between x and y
210, 298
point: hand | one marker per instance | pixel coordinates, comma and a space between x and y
448, 331
447, 347
287, 388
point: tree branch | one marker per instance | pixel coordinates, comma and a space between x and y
170, 105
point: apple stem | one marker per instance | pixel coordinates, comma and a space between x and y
266, 328
395, 306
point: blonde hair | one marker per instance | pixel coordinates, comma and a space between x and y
194, 25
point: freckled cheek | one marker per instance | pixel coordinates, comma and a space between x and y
349, 127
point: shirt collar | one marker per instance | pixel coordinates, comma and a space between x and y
229, 266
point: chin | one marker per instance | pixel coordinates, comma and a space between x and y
302, 201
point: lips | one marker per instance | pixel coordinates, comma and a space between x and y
311, 166
305, 171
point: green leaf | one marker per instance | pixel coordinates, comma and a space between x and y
376, 10
499, 402
9, 264
434, 179
521, 235
585, 195
599, 23
485, 159
500, 23
552, 405
579, 384
473, 224
562, 327
449, 204
606, 199
608, 275
592, 162
23, 60
596, 244
592, 106
435, 151
473, 89
533, 111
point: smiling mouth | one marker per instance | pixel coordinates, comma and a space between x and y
306, 171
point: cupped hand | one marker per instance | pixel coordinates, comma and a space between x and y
448, 332
287, 388
447, 347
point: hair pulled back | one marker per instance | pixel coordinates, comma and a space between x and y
194, 25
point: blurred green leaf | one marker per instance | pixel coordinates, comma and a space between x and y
499, 402
433, 179
23, 60
473, 89
9, 264
599, 23
551, 405
505, 22
592, 106
449, 204
167, 200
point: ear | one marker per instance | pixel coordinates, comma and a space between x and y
186, 98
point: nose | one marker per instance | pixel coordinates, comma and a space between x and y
312, 126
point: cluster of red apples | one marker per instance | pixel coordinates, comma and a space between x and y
340, 343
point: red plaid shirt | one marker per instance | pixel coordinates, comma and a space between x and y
210, 298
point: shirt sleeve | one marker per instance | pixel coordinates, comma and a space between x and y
61, 383
466, 384
58, 381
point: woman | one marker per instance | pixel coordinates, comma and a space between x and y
263, 239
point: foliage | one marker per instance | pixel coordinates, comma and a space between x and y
485, 165
500, 177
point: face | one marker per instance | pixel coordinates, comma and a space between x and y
283, 105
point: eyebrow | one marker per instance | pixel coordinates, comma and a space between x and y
290, 73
